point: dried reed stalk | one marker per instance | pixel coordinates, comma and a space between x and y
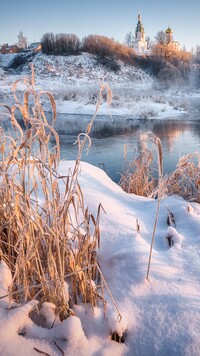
138, 176
45, 234
157, 142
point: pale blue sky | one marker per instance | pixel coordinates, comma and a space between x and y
112, 18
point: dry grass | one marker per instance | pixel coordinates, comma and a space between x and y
141, 177
157, 143
185, 180
138, 178
139, 174
48, 238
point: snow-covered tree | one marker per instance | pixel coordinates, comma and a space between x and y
129, 39
22, 41
149, 42
197, 54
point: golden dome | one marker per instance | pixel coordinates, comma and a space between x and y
169, 30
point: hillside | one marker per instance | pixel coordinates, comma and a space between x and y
75, 80
85, 69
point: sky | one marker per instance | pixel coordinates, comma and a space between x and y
111, 18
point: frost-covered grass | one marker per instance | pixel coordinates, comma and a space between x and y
49, 239
140, 175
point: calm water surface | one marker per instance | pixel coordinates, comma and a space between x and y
179, 137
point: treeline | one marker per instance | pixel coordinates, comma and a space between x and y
61, 44
106, 50
70, 44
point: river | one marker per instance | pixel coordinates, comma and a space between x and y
179, 136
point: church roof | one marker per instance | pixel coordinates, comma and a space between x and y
139, 27
169, 30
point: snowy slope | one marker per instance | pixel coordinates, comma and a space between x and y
74, 81
84, 69
160, 316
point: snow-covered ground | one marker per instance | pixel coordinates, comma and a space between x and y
159, 317
75, 81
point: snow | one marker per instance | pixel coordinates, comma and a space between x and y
75, 80
159, 317
176, 237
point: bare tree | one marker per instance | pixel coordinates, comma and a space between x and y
160, 37
149, 42
197, 54
22, 41
129, 39
60, 44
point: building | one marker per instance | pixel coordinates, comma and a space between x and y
140, 43
5, 49
169, 39
35, 47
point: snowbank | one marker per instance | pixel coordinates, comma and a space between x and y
159, 317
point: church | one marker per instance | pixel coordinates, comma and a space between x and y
140, 43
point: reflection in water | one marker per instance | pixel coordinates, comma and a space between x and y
179, 137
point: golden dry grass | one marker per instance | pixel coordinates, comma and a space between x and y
138, 178
185, 180
47, 236
140, 174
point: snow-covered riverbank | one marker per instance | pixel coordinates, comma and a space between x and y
74, 82
159, 317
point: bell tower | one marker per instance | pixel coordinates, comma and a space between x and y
139, 31
140, 44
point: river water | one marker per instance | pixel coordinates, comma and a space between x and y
179, 136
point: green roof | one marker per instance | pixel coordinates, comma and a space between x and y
139, 27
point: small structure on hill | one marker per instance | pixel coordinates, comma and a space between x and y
5, 49
35, 47
140, 43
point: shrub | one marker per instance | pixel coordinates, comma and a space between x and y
101, 46
151, 64
110, 63
138, 174
185, 180
19, 61
107, 50
170, 75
